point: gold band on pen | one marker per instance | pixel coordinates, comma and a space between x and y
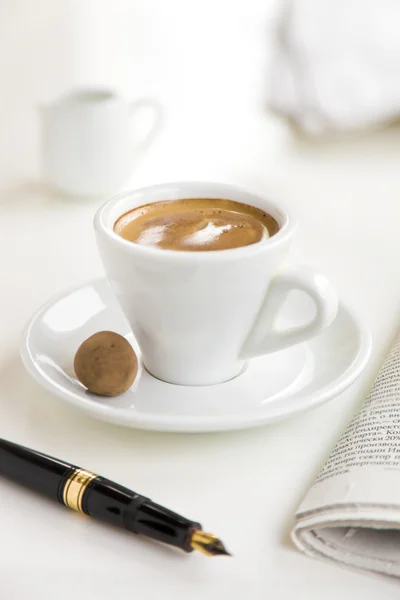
75, 487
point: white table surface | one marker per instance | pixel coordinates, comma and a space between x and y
207, 62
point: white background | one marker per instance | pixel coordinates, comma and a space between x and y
207, 62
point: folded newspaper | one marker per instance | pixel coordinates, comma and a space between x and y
351, 514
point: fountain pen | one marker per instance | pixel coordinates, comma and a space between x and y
102, 499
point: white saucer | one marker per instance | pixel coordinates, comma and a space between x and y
269, 389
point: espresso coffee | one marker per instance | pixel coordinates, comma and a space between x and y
196, 225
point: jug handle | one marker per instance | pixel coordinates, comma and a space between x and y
145, 140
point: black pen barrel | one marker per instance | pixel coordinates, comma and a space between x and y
33, 470
100, 498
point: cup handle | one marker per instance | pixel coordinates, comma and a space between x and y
147, 104
265, 337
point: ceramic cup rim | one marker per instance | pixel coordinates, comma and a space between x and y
108, 213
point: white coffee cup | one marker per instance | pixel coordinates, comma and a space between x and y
88, 146
198, 316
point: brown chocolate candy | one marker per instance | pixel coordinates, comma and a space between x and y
106, 364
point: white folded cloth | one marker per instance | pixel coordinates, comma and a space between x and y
337, 64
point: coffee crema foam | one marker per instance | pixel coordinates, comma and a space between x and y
196, 225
